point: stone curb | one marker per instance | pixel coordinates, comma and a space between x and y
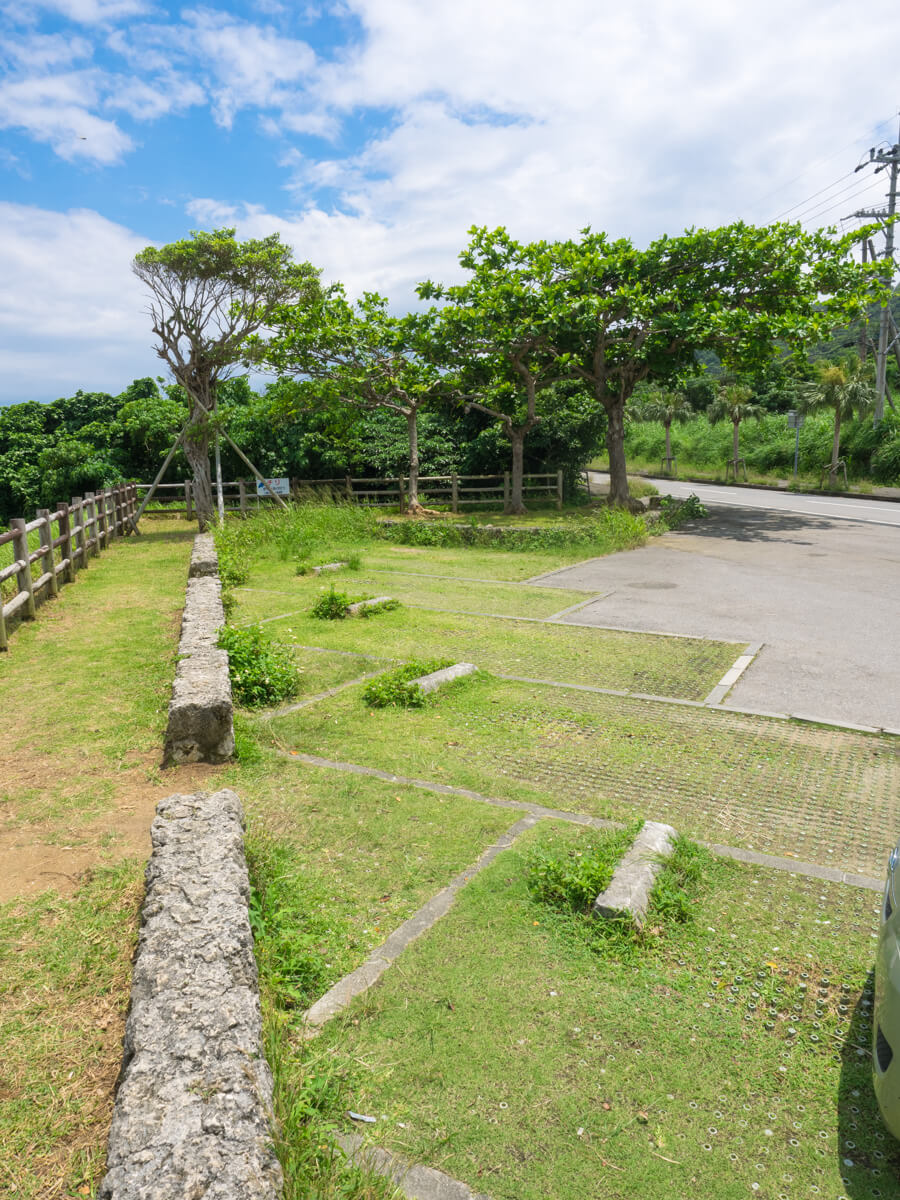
193, 1109
201, 715
432, 681
335, 566
204, 560
360, 606
628, 894
415, 1182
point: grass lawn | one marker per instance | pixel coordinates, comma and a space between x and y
826, 796
83, 690
516, 1051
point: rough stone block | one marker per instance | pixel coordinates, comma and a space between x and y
204, 559
336, 566
201, 713
193, 1110
629, 891
431, 682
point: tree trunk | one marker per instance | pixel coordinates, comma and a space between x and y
835, 448
516, 503
615, 446
736, 450
668, 427
196, 451
413, 505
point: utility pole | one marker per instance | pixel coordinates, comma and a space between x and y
884, 160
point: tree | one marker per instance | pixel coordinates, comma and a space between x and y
208, 295
846, 388
657, 404
494, 331
616, 315
734, 403
361, 356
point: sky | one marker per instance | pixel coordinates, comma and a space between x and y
372, 134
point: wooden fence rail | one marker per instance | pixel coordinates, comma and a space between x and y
82, 529
240, 495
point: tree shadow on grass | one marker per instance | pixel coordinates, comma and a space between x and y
868, 1156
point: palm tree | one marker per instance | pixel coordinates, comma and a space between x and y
846, 388
657, 404
733, 404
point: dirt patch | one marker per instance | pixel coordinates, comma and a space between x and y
55, 855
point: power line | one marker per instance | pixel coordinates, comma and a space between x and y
824, 158
820, 210
827, 187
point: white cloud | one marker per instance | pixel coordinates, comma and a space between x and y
251, 65
40, 52
147, 101
91, 12
55, 109
71, 312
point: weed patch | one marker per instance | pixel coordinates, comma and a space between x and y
398, 688
261, 672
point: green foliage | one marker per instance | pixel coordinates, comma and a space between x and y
604, 531
396, 689
570, 876
677, 512
680, 883
261, 672
331, 606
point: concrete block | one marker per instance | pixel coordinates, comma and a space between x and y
629, 891
355, 609
193, 1110
335, 566
431, 682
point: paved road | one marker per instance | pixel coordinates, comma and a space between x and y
842, 508
821, 591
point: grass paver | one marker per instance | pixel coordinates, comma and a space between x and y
683, 667
719, 1060
827, 796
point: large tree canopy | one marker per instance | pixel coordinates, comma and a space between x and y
360, 355
208, 295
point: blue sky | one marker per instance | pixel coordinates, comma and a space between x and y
372, 133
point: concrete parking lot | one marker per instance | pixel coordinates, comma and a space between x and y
821, 593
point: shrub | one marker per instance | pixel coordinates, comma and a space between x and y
331, 606
677, 512
261, 673
396, 689
571, 877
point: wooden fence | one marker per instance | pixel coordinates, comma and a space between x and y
83, 528
455, 491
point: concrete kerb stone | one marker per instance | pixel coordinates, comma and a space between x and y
415, 1182
193, 1110
628, 894
432, 681
361, 605
335, 566
201, 714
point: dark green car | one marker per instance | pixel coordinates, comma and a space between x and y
886, 1025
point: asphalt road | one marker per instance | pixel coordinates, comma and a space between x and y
816, 580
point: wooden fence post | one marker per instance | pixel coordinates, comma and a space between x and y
400, 490
20, 550
242, 494
349, 488
79, 532
559, 489
505, 490
65, 543
102, 528
188, 501
93, 538
47, 558
454, 492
